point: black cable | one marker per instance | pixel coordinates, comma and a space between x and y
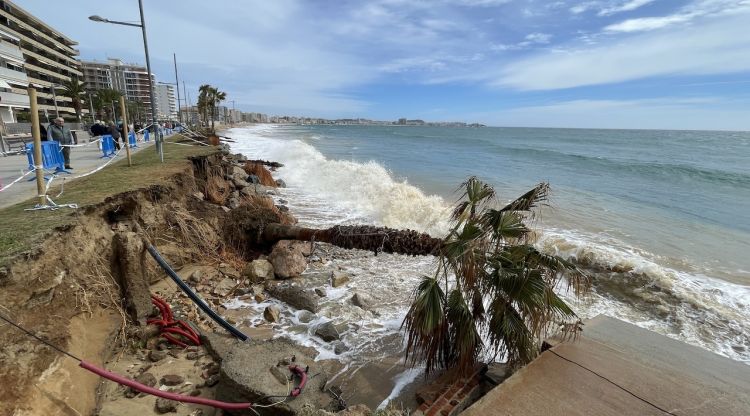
612, 382
185, 288
40, 339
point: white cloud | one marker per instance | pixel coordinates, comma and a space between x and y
479, 3
530, 40
627, 6
690, 12
718, 46
537, 37
713, 113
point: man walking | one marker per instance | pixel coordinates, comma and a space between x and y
61, 133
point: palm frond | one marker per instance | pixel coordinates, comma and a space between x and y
426, 327
530, 199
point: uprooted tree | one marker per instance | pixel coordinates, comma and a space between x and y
492, 293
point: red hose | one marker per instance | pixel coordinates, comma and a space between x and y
169, 325
302, 373
156, 392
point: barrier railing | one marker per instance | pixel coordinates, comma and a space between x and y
52, 158
108, 146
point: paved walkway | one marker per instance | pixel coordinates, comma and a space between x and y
83, 159
616, 368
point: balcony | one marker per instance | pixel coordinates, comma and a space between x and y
11, 51
10, 75
13, 99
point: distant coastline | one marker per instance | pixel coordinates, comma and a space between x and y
368, 122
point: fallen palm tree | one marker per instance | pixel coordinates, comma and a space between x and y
492, 292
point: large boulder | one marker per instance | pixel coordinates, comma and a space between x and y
259, 271
295, 296
287, 260
245, 377
271, 314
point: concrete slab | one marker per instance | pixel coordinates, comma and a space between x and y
616, 368
83, 159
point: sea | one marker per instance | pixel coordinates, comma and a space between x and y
660, 219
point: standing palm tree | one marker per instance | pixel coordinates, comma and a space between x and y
204, 101
104, 99
216, 97
74, 90
490, 283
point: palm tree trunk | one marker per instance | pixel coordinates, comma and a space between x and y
362, 237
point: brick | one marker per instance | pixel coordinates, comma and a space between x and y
432, 412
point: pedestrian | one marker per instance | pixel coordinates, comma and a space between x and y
99, 129
60, 133
42, 132
115, 132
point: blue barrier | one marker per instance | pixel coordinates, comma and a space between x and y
131, 140
108, 146
146, 136
52, 157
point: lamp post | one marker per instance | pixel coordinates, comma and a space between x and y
142, 25
177, 85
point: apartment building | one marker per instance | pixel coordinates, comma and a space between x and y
32, 52
130, 79
166, 104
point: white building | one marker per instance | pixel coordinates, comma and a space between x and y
166, 107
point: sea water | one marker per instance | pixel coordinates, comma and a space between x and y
660, 219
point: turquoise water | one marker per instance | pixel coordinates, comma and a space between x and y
661, 219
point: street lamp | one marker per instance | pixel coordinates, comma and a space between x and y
142, 25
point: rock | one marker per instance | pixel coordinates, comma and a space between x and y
155, 356
271, 314
253, 179
339, 348
259, 270
363, 301
172, 380
279, 375
339, 279
260, 298
283, 208
321, 292
305, 248
295, 296
165, 406
213, 380
196, 277
195, 392
192, 356
230, 272
245, 376
199, 195
226, 209
147, 379
224, 287
257, 289
287, 262
283, 201
280, 183
306, 316
327, 331
239, 157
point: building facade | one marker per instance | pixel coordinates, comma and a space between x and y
47, 58
131, 80
166, 104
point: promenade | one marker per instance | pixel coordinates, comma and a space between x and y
83, 159
618, 369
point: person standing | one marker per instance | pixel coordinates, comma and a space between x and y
60, 133
115, 132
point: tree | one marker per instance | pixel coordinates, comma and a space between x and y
135, 110
490, 283
74, 89
204, 101
103, 101
216, 97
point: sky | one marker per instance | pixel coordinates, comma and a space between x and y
644, 64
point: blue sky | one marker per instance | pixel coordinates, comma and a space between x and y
576, 63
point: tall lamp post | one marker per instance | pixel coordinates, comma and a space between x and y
142, 25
